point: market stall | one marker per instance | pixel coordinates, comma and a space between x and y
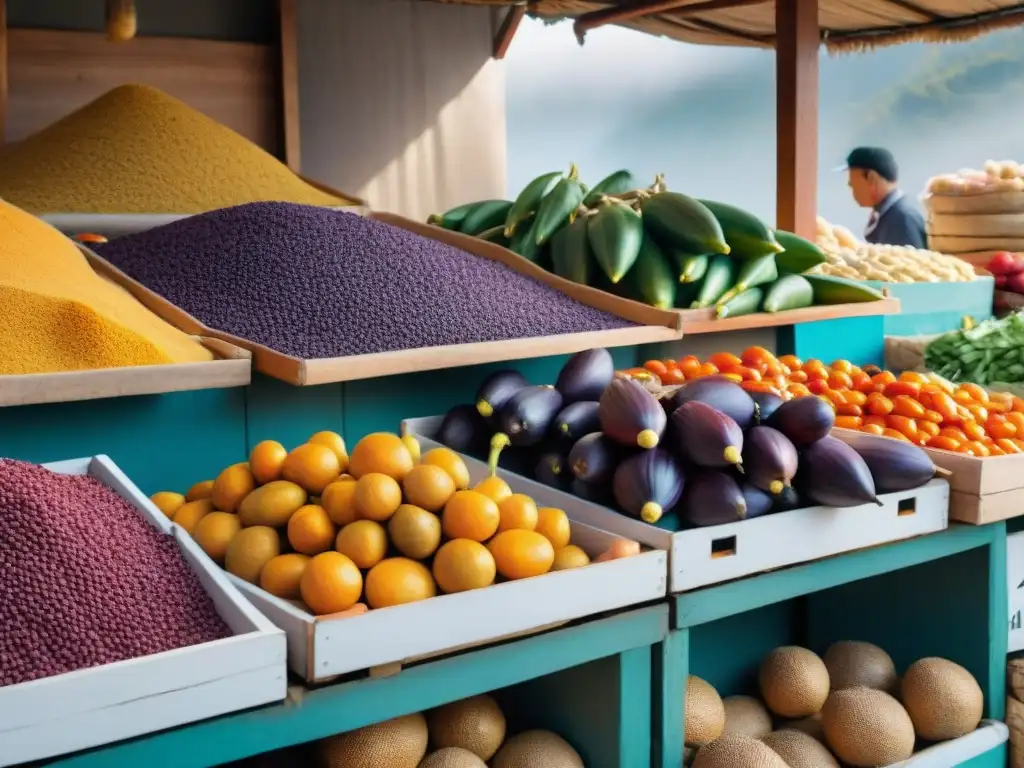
284, 411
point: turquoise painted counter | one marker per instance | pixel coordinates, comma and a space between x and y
590, 683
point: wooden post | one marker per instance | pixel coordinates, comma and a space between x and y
796, 87
3, 70
289, 46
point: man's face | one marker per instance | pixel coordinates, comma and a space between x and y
863, 187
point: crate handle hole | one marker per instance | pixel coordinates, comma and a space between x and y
907, 507
723, 547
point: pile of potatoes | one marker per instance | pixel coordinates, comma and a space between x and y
995, 176
850, 258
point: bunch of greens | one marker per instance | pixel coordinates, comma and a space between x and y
990, 352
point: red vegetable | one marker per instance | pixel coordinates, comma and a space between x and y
1003, 263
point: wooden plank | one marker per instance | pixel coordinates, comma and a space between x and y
289, 47
697, 321
508, 30
796, 85
233, 83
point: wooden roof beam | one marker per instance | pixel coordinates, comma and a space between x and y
508, 29
638, 9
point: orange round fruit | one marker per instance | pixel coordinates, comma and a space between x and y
377, 496
380, 452
266, 460
167, 502
398, 580
521, 554
517, 511
310, 530
312, 466
414, 532
570, 557
192, 512
250, 550
331, 583
450, 462
339, 499
199, 491
553, 524
231, 486
364, 542
282, 574
214, 532
494, 488
462, 564
335, 442
428, 487
470, 515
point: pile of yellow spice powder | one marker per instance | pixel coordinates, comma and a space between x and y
57, 314
138, 150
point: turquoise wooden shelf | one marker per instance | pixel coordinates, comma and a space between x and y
591, 683
940, 595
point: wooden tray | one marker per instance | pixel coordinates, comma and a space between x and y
703, 320
90, 707
982, 490
321, 648
977, 203
655, 325
703, 556
232, 368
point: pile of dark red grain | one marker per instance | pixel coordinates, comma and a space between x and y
317, 283
85, 580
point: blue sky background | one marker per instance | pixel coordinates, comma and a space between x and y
705, 115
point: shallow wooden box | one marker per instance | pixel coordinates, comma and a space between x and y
231, 368
99, 705
703, 556
321, 647
654, 325
981, 490
704, 320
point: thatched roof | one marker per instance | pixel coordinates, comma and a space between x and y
846, 25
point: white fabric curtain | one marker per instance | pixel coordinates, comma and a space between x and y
401, 103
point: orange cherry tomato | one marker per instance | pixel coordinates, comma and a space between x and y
817, 386
1018, 405
849, 422
915, 378
840, 380
862, 382
853, 397
944, 443
799, 390
848, 409
798, 376
1008, 446
835, 396
978, 412
998, 406
962, 396
979, 448
734, 377
843, 366
878, 404
791, 361
1017, 419
759, 386
974, 430
929, 428
880, 380
689, 368
998, 427
978, 394
902, 424
897, 388
673, 376
707, 369
902, 405
754, 357
815, 365
656, 367
966, 448
889, 432
748, 374
873, 429
944, 404
876, 420
724, 359
954, 433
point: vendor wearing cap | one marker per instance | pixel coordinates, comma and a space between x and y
895, 220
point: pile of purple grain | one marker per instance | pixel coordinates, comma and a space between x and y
85, 580
317, 283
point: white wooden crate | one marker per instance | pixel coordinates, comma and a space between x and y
704, 556
989, 735
99, 705
320, 648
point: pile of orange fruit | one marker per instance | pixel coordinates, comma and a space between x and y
920, 408
383, 526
